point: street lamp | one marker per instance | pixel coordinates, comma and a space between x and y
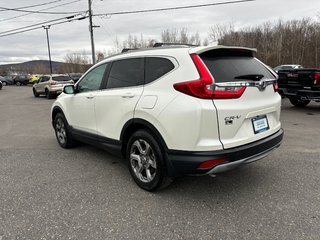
46, 28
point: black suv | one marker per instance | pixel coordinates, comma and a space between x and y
21, 80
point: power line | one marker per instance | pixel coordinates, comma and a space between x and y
37, 24
31, 6
29, 28
26, 14
172, 8
39, 27
29, 11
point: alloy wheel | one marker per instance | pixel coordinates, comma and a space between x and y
61, 131
143, 161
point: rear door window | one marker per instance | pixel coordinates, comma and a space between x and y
156, 67
235, 68
126, 73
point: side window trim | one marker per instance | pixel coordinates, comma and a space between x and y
106, 76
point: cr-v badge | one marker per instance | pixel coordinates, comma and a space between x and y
229, 120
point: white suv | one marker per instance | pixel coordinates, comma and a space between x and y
51, 85
174, 111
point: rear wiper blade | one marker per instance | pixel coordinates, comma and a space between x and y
250, 77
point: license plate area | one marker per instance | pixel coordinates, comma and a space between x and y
260, 124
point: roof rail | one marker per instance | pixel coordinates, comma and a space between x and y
128, 49
174, 44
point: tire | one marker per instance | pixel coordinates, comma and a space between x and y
48, 94
146, 161
18, 83
63, 135
298, 102
4, 83
35, 94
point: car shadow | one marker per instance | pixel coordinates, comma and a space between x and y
244, 180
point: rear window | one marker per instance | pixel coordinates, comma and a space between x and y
228, 68
61, 78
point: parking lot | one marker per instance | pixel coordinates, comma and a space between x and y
85, 193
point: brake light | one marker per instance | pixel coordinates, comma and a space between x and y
204, 88
275, 86
316, 78
51, 82
210, 164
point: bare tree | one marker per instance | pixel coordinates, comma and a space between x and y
295, 41
76, 62
180, 36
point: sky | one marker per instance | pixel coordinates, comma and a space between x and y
74, 37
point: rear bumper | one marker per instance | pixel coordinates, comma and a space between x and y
304, 94
185, 162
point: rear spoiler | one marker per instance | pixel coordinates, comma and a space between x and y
224, 49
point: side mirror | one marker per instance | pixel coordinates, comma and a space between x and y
69, 89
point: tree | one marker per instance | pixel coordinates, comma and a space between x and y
76, 62
180, 36
295, 42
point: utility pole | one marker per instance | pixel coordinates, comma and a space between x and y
47, 28
91, 33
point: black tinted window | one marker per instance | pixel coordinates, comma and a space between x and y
226, 69
61, 78
126, 73
44, 79
156, 67
286, 68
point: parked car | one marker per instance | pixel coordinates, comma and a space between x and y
51, 85
7, 80
1, 83
301, 86
287, 67
34, 78
75, 76
21, 80
174, 110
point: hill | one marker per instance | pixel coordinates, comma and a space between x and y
34, 66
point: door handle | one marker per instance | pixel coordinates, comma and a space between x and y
90, 97
128, 95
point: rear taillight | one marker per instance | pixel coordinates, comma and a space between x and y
210, 164
316, 78
204, 88
275, 86
51, 82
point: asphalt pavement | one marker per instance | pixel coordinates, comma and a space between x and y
47, 192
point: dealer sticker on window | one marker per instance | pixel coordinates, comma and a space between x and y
260, 124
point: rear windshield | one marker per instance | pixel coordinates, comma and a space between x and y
234, 68
61, 78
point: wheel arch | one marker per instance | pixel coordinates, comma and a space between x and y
54, 112
132, 126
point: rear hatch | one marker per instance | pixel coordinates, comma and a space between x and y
62, 80
244, 95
